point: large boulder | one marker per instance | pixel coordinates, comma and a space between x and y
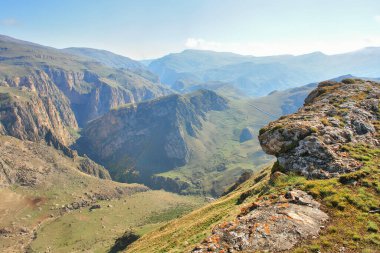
268, 225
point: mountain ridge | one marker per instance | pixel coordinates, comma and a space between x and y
296, 69
165, 122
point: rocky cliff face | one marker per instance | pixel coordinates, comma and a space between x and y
84, 95
92, 95
80, 88
28, 116
40, 83
313, 141
150, 137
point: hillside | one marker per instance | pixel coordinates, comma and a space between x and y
279, 209
47, 190
47, 195
37, 180
89, 88
257, 76
137, 142
213, 157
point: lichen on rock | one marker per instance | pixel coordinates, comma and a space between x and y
312, 141
273, 225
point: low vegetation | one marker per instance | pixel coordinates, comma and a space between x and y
352, 202
103, 229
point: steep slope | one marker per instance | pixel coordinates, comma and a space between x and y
149, 137
88, 87
114, 61
283, 211
257, 76
212, 156
34, 168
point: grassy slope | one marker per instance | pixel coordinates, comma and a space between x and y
83, 230
351, 225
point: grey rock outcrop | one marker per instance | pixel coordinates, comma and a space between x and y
313, 141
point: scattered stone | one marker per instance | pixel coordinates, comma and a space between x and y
24, 230
5, 231
209, 199
276, 175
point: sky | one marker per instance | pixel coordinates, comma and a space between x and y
146, 29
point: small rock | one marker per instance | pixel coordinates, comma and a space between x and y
97, 206
24, 230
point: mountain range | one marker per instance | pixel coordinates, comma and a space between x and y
93, 143
258, 76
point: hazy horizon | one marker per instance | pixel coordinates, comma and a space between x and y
147, 30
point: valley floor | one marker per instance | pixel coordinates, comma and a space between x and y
41, 222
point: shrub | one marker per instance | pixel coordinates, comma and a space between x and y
372, 227
348, 81
325, 121
356, 237
315, 248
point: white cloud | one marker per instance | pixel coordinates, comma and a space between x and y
203, 44
377, 18
283, 47
10, 22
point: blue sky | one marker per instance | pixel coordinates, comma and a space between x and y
146, 29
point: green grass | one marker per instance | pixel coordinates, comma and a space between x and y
97, 230
345, 203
